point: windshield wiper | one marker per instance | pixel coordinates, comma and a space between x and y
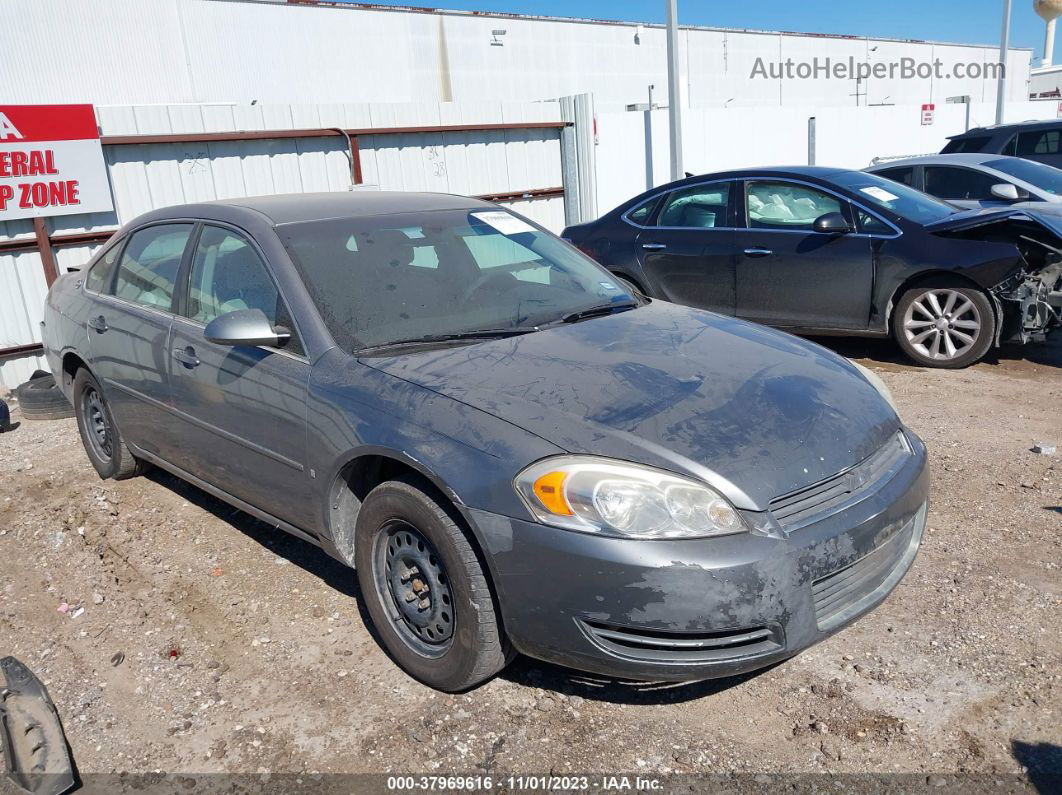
458, 336
597, 311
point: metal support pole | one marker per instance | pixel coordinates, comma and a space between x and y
1049, 44
44, 246
674, 90
811, 141
1004, 45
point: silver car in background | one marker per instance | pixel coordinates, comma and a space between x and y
973, 180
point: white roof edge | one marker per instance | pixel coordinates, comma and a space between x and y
356, 6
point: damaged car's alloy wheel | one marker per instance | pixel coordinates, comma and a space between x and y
944, 326
425, 588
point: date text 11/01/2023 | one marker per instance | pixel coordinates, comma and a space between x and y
598, 783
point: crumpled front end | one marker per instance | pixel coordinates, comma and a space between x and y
1031, 303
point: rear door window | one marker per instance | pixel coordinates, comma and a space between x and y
904, 175
148, 268
948, 182
1038, 142
640, 214
697, 207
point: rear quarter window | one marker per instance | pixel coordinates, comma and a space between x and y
99, 279
975, 144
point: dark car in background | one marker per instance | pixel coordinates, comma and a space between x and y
970, 181
513, 451
831, 251
1034, 140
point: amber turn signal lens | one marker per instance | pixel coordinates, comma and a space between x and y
549, 489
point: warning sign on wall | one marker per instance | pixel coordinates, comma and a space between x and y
929, 111
51, 162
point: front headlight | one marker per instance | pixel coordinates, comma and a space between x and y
598, 495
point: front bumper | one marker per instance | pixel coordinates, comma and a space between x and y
704, 608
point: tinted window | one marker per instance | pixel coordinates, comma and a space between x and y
975, 144
98, 279
948, 182
893, 197
904, 175
227, 274
1046, 178
871, 224
1011, 147
641, 213
149, 265
785, 205
697, 207
384, 279
1040, 142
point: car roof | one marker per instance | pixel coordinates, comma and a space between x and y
994, 128
288, 208
957, 158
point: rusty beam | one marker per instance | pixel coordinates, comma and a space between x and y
265, 135
22, 350
536, 193
72, 239
44, 246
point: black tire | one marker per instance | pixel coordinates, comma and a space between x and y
41, 399
949, 341
102, 440
401, 524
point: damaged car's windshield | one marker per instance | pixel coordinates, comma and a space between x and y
470, 273
895, 197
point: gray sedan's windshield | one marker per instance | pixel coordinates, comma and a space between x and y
1046, 178
396, 278
895, 197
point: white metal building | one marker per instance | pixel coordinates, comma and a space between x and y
127, 52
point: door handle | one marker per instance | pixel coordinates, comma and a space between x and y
654, 246
758, 252
98, 323
186, 356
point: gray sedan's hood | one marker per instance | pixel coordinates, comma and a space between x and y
755, 412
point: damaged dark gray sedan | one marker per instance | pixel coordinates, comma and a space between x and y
514, 452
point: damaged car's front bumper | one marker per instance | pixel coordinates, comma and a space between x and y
713, 607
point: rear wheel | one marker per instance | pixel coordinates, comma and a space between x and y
102, 440
425, 588
944, 326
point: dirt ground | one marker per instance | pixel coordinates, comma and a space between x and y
196, 639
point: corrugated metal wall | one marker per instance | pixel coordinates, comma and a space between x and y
133, 51
147, 176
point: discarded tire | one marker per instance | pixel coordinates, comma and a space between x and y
41, 399
5, 418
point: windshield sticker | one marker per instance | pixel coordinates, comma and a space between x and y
879, 193
503, 222
608, 285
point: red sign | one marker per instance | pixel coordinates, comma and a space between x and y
929, 110
51, 162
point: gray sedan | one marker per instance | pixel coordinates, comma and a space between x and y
972, 180
514, 452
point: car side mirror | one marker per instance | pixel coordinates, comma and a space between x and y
1008, 192
832, 224
248, 327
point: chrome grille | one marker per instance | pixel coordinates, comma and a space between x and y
845, 592
799, 508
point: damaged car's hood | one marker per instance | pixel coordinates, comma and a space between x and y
756, 412
1047, 216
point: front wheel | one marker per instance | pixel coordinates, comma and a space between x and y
425, 588
947, 327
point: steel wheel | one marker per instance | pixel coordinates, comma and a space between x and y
942, 324
412, 583
95, 419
